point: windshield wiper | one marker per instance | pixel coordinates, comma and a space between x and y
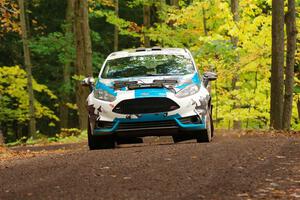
155, 75
182, 74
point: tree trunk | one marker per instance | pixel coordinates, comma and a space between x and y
63, 111
1, 138
204, 21
298, 108
237, 124
28, 66
236, 17
116, 31
83, 63
147, 23
277, 64
175, 3
291, 30
3, 130
158, 11
65, 96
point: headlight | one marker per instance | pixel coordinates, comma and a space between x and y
188, 91
104, 95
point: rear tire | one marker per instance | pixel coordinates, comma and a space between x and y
206, 135
212, 122
100, 142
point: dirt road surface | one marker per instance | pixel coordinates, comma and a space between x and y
231, 167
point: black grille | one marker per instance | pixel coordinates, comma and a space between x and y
141, 125
145, 105
138, 125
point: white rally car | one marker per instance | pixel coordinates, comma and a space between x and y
149, 92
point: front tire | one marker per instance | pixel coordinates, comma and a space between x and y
100, 142
177, 138
207, 134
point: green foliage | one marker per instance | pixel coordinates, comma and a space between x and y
69, 132
127, 28
123, 25
14, 104
69, 136
77, 136
55, 44
242, 91
206, 27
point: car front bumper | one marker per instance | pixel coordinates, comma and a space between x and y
187, 117
170, 126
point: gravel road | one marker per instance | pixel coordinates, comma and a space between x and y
231, 167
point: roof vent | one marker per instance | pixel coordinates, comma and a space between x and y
140, 49
156, 48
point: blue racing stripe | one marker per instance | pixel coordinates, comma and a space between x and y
151, 92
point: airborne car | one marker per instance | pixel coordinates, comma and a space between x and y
149, 92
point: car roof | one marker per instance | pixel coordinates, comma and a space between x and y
148, 51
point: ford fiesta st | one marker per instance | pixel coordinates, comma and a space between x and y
149, 92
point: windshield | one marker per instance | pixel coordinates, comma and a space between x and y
149, 65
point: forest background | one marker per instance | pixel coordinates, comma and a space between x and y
66, 40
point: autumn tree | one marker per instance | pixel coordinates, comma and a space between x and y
277, 64
14, 108
83, 62
116, 28
291, 30
234, 5
1, 139
65, 96
146, 22
204, 21
231, 37
175, 3
28, 66
9, 15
